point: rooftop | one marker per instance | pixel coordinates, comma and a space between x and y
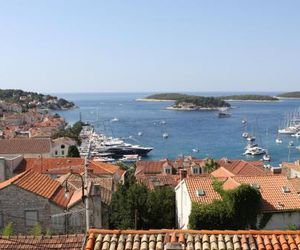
25, 146
192, 240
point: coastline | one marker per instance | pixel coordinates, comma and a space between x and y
152, 100
235, 100
193, 109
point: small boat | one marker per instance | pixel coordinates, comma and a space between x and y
165, 135
244, 121
297, 135
223, 113
250, 138
130, 158
162, 122
266, 157
140, 133
115, 119
104, 159
195, 150
278, 140
245, 134
291, 144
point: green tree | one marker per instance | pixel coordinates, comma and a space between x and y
8, 229
210, 165
73, 151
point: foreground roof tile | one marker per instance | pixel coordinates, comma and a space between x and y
192, 240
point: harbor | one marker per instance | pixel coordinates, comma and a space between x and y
198, 133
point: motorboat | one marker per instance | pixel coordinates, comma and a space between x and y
244, 121
130, 158
245, 135
251, 138
195, 150
104, 159
255, 151
115, 119
291, 144
288, 130
297, 135
223, 113
140, 133
278, 140
165, 135
266, 157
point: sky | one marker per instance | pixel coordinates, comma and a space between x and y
155, 45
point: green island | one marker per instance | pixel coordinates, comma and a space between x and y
249, 98
295, 94
34, 100
189, 102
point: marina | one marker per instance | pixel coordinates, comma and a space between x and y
197, 133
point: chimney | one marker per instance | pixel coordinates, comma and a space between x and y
276, 170
182, 173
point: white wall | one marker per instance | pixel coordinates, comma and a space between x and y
183, 205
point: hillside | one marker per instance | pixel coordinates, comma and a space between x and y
250, 98
34, 100
295, 94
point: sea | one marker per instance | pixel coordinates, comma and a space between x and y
200, 134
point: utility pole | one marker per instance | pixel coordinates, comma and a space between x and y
86, 201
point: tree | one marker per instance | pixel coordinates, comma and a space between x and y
232, 212
8, 229
73, 151
133, 205
210, 165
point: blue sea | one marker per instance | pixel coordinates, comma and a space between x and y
213, 136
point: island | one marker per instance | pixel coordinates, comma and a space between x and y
250, 97
27, 100
295, 94
189, 102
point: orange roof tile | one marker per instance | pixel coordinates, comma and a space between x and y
41, 185
25, 146
194, 239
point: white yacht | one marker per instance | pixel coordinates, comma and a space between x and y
297, 135
278, 140
255, 151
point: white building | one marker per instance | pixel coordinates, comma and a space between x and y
279, 198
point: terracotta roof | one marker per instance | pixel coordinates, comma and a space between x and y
292, 165
205, 184
65, 242
296, 183
230, 168
50, 165
158, 180
64, 165
41, 185
271, 188
192, 240
25, 146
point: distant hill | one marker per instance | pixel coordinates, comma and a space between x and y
28, 99
295, 94
167, 96
250, 98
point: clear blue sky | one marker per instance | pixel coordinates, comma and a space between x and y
163, 45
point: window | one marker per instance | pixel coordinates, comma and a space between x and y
31, 218
62, 152
62, 146
195, 170
56, 152
168, 170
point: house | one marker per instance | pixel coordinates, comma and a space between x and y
30, 198
56, 167
168, 239
291, 169
230, 168
27, 147
60, 146
280, 199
